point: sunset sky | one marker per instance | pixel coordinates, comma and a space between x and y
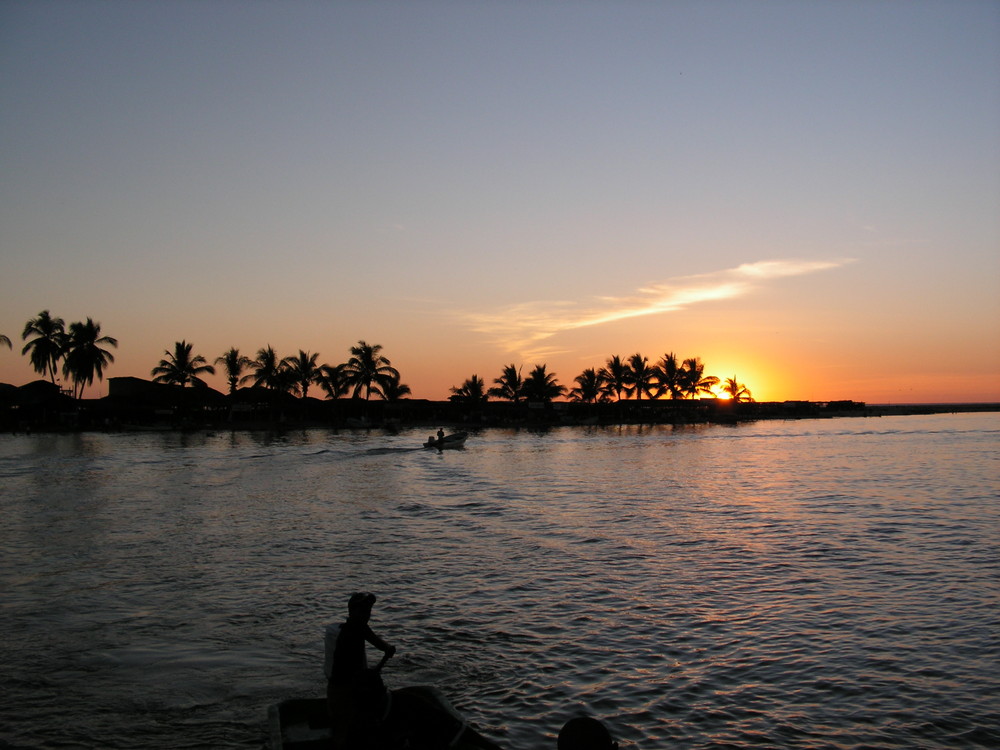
805, 195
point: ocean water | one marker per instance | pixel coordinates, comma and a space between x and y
799, 584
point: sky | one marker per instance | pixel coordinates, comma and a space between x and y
805, 195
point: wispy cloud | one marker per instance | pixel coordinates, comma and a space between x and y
525, 327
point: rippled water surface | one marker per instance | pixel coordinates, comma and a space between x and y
821, 584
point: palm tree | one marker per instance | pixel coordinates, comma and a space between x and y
233, 364
393, 390
4, 341
333, 381
509, 385
472, 391
303, 371
694, 380
669, 376
267, 370
642, 376
589, 387
180, 368
48, 345
736, 390
85, 356
368, 370
541, 385
616, 377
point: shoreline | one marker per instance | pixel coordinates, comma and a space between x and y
39, 408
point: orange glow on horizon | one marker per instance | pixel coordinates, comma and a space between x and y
771, 374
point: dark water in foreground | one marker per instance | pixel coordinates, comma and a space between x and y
821, 584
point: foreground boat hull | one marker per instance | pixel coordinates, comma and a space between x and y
417, 718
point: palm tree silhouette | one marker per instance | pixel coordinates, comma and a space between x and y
303, 371
736, 390
393, 390
616, 377
181, 368
694, 380
472, 391
589, 387
642, 376
509, 385
85, 357
48, 344
367, 370
4, 341
670, 376
541, 385
267, 370
233, 364
333, 380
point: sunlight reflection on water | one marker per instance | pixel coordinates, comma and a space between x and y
799, 584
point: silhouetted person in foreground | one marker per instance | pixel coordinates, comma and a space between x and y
353, 692
585, 733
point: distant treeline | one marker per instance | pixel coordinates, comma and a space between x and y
139, 404
81, 353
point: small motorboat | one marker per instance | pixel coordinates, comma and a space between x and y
455, 440
415, 718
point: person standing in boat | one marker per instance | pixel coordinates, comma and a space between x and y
353, 690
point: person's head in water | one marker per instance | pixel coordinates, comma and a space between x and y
359, 606
585, 733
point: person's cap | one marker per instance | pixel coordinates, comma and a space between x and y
361, 600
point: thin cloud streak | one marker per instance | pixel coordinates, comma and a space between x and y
520, 328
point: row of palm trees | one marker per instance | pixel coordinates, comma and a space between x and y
78, 350
368, 372
667, 378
